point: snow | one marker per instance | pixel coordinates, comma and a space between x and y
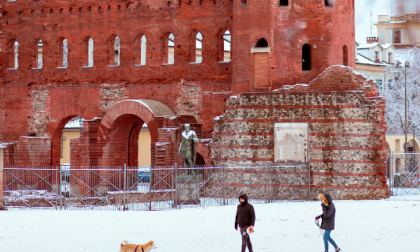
383, 225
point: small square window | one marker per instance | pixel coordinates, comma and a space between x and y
284, 2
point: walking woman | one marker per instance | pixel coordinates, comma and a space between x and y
328, 220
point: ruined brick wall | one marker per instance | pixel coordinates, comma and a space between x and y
286, 29
40, 99
346, 131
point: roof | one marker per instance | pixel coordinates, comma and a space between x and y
386, 46
368, 46
399, 47
360, 59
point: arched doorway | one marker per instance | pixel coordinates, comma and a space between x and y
120, 129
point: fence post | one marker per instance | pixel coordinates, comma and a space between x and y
224, 183
268, 182
125, 185
1, 175
60, 176
309, 180
151, 178
176, 186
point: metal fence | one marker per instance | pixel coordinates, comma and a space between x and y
403, 173
150, 189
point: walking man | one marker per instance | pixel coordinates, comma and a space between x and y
245, 217
328, 220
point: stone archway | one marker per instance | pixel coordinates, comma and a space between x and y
119, 128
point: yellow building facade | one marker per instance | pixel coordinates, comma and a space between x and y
144, 145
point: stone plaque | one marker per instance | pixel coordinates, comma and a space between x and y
290, 142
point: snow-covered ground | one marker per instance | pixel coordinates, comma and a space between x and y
383, 225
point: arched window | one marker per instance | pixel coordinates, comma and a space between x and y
243, 2
261, 43
63, 53
169, 49
329, 3
39, 54
198, 52
140, 43
13, 54
226, 46
345, 56
306, 57
89, 50
114, 51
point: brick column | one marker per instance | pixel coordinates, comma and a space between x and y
1, 175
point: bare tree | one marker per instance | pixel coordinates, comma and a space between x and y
395, 94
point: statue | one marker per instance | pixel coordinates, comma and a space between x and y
188, 147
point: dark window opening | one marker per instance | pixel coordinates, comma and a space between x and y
243, 2
61, 10
90, 8
80, 9
284, 2
169, 3
51, 11
190, 2
262, 43
201, 2
42, 11
99, 8
329, 3
109, 7
306, 57
119, 7
20, 13
345, 55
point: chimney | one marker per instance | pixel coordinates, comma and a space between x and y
370, 40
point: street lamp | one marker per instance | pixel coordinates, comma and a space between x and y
404, 71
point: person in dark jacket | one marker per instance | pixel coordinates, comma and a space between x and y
328, 220
245, 218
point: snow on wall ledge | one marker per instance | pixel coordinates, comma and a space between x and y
346, 132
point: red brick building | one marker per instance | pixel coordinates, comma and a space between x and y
60, 60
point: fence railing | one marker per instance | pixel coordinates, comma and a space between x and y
149, 189
403, 173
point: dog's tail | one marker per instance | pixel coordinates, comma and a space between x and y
124, 243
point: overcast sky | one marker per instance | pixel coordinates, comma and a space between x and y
379, 7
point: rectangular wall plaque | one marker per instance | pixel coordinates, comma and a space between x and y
290, 142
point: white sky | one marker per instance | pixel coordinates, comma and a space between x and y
379, 7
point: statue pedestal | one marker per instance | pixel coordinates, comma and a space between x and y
187, 190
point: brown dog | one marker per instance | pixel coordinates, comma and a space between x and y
125, 247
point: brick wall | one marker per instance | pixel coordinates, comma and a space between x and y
346, 126
39, 102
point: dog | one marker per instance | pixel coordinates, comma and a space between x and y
125, 247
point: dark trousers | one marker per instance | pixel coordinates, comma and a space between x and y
246, 242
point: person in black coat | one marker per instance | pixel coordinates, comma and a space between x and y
328, 220
245, 218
